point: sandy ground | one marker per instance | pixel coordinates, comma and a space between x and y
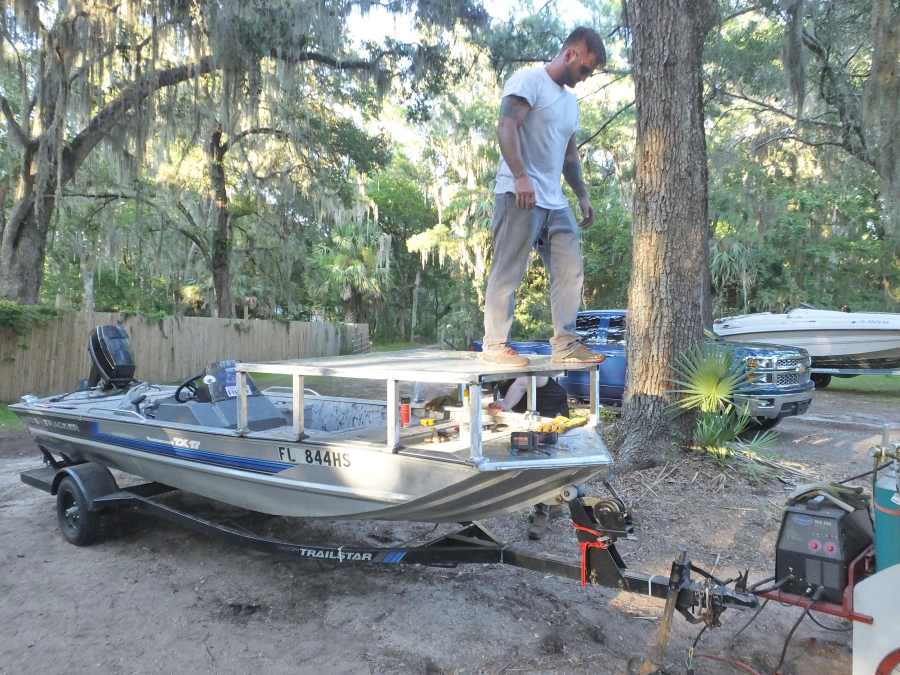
152, 598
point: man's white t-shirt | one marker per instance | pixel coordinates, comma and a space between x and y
543, 137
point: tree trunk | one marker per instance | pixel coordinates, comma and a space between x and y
88, 264
22, 254
881, 114
221, 241
669, 230
414, 315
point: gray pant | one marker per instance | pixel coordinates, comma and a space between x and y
558, 240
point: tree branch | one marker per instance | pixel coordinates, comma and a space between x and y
331, 61
608, 84
740, 12
20, 136
779, 111
76, 151
249, 132
193, 236
605, 124
799, 139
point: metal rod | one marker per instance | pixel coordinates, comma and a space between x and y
297, 399
532, 393
393, 416
242, 402
475, 422
594, 385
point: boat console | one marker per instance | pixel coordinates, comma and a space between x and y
210, 400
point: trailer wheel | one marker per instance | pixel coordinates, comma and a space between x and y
79, 525
821, 380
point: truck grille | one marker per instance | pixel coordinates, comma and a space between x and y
787, 379
790, 364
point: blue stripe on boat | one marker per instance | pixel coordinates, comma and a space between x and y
202, 456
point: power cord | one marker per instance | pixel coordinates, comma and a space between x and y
815, 597
842, 629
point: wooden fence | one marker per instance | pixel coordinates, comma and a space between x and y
53, 357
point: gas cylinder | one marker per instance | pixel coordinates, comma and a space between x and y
887, 518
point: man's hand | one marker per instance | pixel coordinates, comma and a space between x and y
495, 408
587, 211
525, 198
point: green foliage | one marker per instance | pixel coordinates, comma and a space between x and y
706, 378
22, 318
9, 421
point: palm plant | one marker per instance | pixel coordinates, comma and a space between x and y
352, 268
706, 378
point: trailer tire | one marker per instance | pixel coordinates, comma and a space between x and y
78, 524
821, 380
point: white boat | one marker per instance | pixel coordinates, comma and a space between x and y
855, 341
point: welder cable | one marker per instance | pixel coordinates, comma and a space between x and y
740, 665
790, 635
704, 573
774, 587
761, 582
836, 629
690, 658
752, 619
857, 476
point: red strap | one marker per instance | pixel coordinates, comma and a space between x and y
890, 512
585, 546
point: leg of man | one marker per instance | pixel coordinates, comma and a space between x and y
515, 230
561, 252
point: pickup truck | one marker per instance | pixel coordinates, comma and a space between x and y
778, 381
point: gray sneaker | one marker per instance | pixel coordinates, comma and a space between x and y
505, 356
577, 354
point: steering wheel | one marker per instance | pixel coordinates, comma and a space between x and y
189, 386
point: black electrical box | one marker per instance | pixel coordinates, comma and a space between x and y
817, 542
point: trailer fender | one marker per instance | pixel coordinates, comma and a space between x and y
92, 479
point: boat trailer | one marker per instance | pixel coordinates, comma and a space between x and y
598, 523
855, 591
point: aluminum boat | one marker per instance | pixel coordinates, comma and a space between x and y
834, 340
289, 451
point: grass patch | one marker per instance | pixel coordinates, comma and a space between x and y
9, 421
883, 385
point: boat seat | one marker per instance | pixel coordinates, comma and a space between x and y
261, 413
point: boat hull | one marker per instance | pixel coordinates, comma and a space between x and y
846, 340
300, 480
836, 348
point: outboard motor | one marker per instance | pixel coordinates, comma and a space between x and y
111, 360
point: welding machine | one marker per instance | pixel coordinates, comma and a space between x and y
824, 528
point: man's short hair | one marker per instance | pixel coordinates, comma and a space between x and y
591, 40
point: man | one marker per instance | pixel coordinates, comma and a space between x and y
552, 399
538, 121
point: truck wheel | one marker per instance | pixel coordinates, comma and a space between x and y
79, 525
821, 380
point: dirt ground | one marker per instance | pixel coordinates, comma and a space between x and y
152, 598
